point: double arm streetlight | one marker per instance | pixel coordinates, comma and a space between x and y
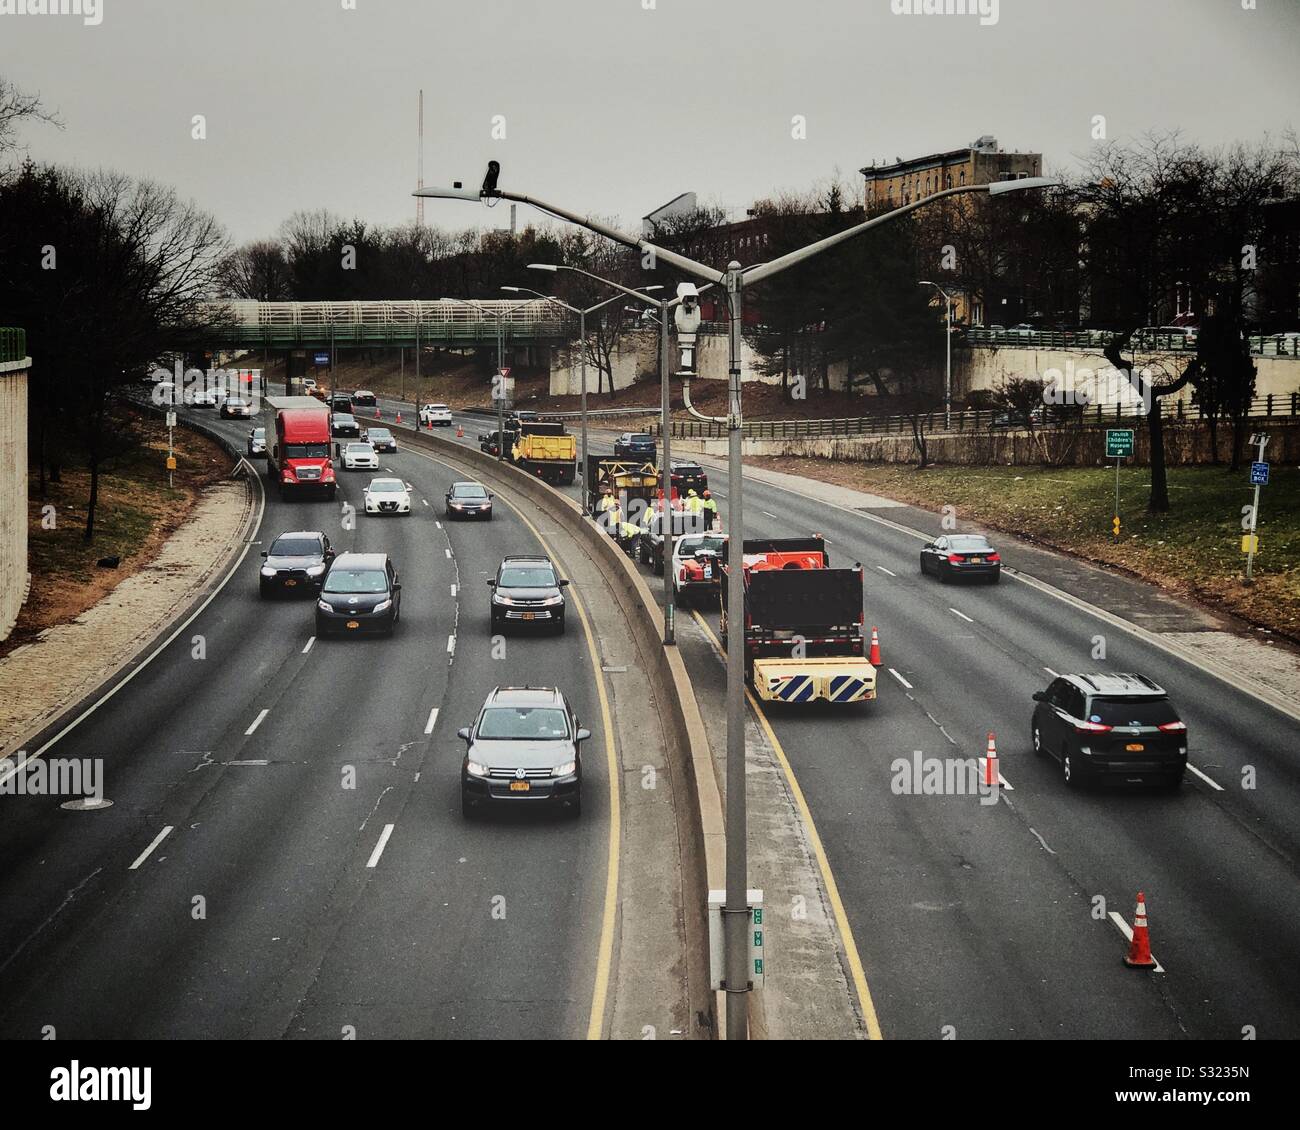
736, 911
947, 370
582, 319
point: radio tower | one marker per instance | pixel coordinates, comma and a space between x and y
419, 176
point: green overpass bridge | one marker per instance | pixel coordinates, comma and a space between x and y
248, 324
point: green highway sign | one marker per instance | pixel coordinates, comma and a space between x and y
1119, 443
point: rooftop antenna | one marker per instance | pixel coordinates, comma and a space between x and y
419, 175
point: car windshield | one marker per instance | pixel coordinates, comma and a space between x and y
259, 433
468, 490
380, 433
236, 402
343, 418
437, 408
529, 723
639, 438
356, 580
295, 547
693, 545
970, 543
360, 449
387, 486
307, 451
1132, 712
532, 577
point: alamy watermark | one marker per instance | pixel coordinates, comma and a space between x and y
55, 776
90, 11
987, 10
941, 776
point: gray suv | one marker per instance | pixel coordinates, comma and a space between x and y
525, 747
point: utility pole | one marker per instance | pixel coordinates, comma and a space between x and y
1259, 478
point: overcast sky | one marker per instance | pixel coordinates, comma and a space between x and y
613, 109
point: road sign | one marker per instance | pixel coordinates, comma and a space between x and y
1119, 443
1259, 474
757, 937
1250, 543
171, 419
171, 462
322, 358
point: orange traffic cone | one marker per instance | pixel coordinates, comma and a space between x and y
991, 774
377, 415
460, 432
399, 415
875, 648
1139, 950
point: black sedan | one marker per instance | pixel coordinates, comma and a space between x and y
469, 500
364, 397
296, 563
344, 425
381, 439
524, 748
361, 595
961, 555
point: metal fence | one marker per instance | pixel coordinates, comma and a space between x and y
1099, 415
1261, 345
13, 344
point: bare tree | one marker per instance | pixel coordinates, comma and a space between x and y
258, 270
16, 108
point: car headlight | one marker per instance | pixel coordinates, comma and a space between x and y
474, 769
565, 769
325, 606
383, 606
288, 475
502, 600
267, 571
552, 601
315, 570
457, 505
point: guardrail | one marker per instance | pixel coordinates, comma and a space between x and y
1261, 345
1261, 407
592, 413
13, 344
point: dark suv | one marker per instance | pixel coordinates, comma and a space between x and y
295, 563
361, 594
524, 747
635, 445
527, 591
1118, 727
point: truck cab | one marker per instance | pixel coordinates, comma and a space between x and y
299, 455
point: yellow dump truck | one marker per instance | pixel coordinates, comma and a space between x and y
545, 450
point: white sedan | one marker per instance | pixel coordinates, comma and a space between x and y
388, 496
360, 457
439, 415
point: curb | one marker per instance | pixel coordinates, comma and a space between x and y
72, 714
687, 743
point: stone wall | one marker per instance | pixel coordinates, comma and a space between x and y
13, 492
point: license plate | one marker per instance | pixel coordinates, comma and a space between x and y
520, 786
528, 616
354, 623
289, 584
708, 573
1135, 747
977, 560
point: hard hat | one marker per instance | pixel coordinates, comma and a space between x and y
690, 493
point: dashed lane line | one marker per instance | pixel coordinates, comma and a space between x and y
963, 615
379, 847
167, 831
257, 721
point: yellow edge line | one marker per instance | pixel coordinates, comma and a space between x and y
608, 918
823, 864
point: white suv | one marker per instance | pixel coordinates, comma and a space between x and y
438, 415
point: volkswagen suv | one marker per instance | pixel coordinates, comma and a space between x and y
1118, 727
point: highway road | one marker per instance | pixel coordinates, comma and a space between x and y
1004, 921
238, 888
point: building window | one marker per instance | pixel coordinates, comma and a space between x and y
962, 176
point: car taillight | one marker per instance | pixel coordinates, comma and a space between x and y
1092, 727
993, 557
956, 557
1172, 727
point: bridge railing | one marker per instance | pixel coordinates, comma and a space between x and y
395, 312
1159, 341
13, 344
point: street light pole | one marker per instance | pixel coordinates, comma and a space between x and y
498, 385
735, 910
947, 371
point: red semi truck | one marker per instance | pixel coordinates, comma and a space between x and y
298, 457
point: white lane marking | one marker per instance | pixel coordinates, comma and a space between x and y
438, 524
257, 721
451, 645
1051, 672
962, 615
433, 719
1213, 784
311, 640
448, 553
1042, 841
453, 590
1127, 930
379, 847
900, 678
886, 571
156, 841
768, 513
1001, 779
425, 501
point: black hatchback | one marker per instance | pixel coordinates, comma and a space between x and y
1116, 727
295, 564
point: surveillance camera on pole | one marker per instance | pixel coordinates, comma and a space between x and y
687, 319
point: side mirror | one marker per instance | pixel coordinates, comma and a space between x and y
583, 735
1040, 696
564, 583
329, 555
397, 586
409, 487
463, 733
491, 496
491, 583
263, 555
